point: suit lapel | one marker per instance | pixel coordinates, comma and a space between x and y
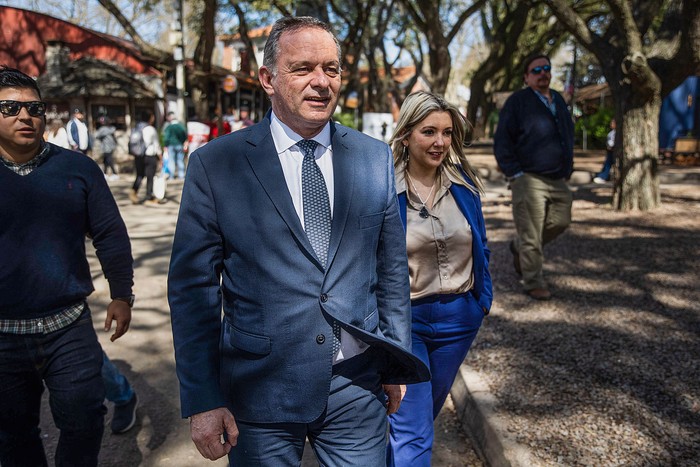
264, 161
344, 179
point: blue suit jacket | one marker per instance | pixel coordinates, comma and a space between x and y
239, 245
470, 205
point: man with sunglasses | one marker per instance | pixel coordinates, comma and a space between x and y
534, 149
52, 198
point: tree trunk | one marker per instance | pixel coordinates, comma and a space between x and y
440, 65
637, 147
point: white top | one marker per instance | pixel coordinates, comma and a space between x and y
611, 140
291, 158
82, 144
60, 138
150, 137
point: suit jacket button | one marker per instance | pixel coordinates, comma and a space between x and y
324, 298
320, 339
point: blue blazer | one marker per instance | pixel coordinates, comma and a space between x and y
240, 247
470, 205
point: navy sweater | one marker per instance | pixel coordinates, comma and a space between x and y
44, 218
530, 139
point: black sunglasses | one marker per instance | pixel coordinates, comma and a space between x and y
539, 69
12, 108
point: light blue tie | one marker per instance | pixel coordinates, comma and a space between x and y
317, 208
317, 212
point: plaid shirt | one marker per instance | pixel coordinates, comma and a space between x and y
50, 323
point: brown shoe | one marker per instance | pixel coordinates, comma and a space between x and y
539, 293
516, 258
133, 196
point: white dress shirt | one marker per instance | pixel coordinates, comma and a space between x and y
291, 158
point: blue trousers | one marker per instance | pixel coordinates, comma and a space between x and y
350, 432
69, 362
117, 387
176, 161
444, 327
607, 166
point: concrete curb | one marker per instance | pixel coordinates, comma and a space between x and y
475, 405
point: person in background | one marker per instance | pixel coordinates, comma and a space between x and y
218, 127
56, 134
448, 262
147, 165
78, 135
47, 337
244, 119
534, 148
108, 143
291, 227
197, 134
121, 394
230, 116
174, 138
604, 175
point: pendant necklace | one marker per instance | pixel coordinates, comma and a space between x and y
423, 210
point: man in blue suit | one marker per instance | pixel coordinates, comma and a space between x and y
291, 226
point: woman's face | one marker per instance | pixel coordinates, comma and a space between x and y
429, 141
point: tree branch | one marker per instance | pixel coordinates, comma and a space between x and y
146, 48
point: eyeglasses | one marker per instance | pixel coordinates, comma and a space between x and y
539, 69
12, 108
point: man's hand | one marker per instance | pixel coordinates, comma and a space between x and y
394, 394
207, 428
120, 312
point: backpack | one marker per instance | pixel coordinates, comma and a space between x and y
137, 146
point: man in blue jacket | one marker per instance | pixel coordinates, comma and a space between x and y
52, 198
534, 149
291, 226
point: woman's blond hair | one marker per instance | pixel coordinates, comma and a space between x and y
414, 110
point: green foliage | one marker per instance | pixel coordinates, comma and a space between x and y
597, 126
345, 118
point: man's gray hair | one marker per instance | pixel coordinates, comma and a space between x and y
292, 24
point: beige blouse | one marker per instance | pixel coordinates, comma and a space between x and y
439, 247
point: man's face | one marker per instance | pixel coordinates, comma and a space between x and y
21, 134
304, 91
538, 81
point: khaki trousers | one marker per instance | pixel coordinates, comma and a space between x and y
541, 211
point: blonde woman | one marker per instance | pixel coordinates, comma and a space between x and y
447, 257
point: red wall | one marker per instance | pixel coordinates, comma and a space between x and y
25, 34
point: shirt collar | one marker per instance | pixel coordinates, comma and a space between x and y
446, 180
284, 137
31, 164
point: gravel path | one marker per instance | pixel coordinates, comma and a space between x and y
608, 371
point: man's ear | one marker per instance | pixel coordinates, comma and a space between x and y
265, 78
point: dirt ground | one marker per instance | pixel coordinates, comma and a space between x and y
145, 357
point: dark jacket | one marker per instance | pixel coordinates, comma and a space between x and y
530, 139
45, 218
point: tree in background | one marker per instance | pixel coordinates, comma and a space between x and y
512, 30
432, 17
645, 48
